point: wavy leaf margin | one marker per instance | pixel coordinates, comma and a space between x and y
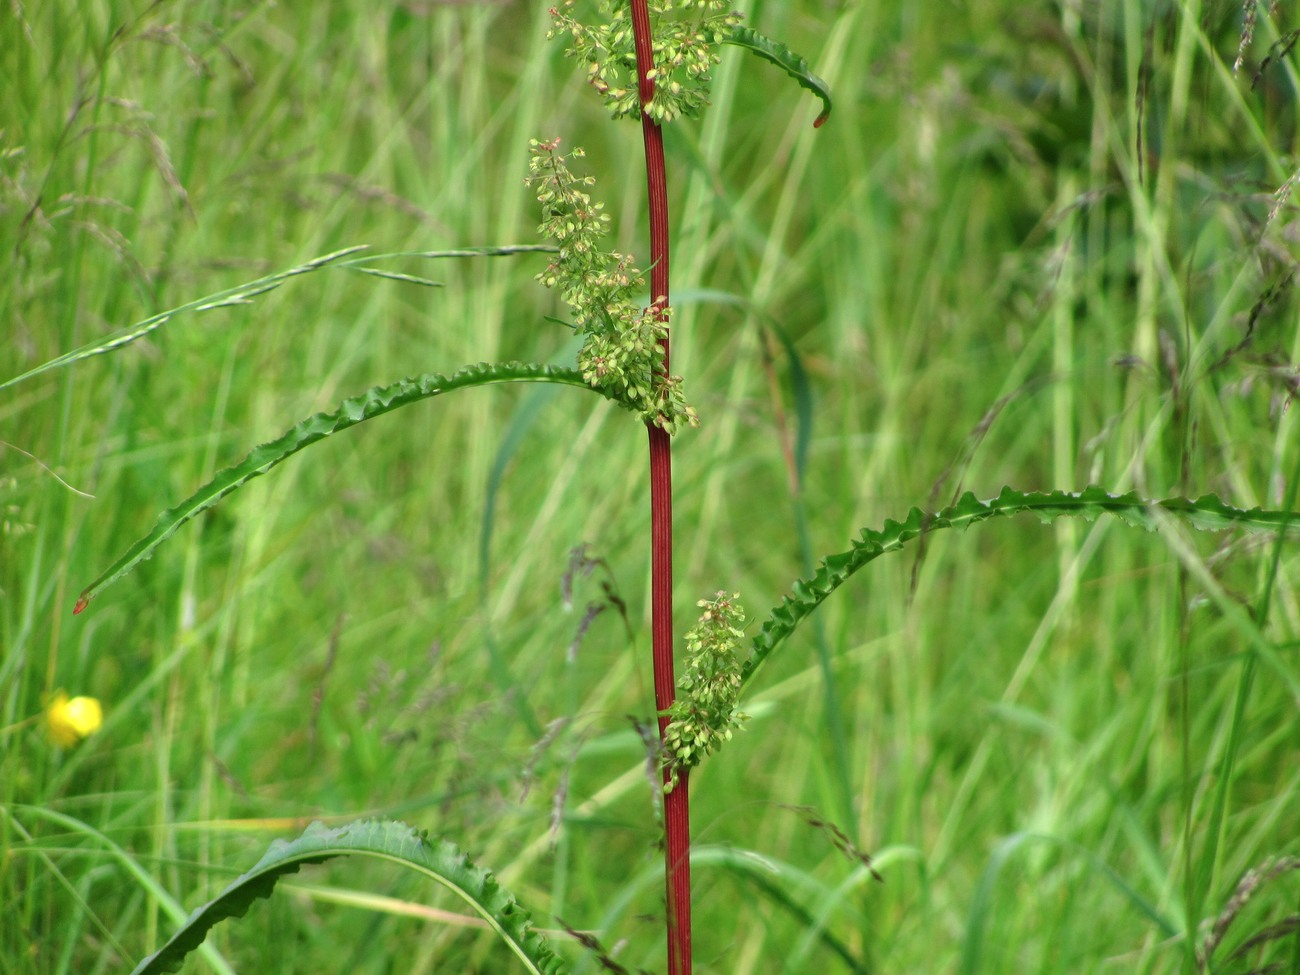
374, 402
382, 839
1207, 513
794, 65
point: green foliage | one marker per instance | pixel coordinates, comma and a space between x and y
395, 842
622, 352
704, 715
686, 36
1075, 212
240, 295
374, 402
243, 294
1207, 513
793, 64
126, 862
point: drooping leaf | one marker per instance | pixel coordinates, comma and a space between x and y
794, 65
396, 842
374, 402
1206, 513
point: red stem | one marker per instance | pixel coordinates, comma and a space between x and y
677, 863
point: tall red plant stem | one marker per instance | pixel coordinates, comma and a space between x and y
677, 861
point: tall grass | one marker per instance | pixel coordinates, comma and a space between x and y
1033, 246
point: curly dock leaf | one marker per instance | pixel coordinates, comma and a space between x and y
1207, 513
794, 65
384, 840
374, 402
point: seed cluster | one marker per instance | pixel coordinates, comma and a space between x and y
686, 37
622, 354
704, 714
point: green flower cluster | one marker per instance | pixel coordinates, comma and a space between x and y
686, 37
704, 715
622, 354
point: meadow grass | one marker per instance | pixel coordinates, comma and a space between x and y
1036, 247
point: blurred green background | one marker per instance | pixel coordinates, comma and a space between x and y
1043, 245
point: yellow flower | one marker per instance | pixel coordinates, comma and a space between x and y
69, 721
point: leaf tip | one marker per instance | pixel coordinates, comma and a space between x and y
82, 602
820, 120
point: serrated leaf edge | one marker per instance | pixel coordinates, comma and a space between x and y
1207, 513
793, 64
374, 402
384, 839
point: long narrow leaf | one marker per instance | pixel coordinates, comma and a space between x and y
795, 66
1206, 513
399, 276
374, 402
243, 294
387, 840
777, 881
237, 295
130, 866
982, 901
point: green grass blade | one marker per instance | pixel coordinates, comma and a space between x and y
982, 902
384, 840
132, 868
794, 65
1203, 877
376, 401
802, 392
238, 295
801, 389
243, 294
399, 276
755, 871
500, 250
515, 434
1207, 513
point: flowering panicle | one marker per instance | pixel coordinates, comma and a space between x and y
686, 36
704, 715
623, 353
